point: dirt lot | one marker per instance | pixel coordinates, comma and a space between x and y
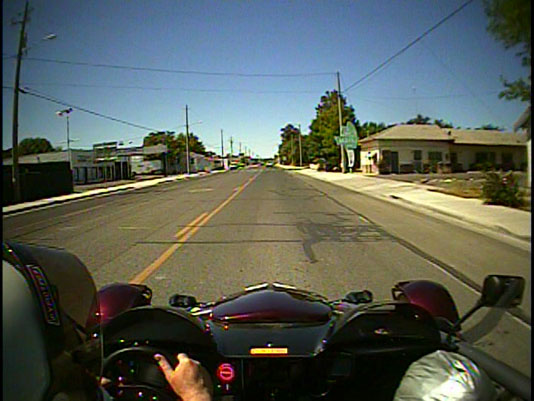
465, 185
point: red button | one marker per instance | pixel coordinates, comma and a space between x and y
225, 372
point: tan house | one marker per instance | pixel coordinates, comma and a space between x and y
423, 148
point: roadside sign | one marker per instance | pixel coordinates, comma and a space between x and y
349, 138
350, 130
155, 149
350, 154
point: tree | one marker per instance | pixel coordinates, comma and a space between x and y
509, 23
490, 127
369, 128
443, 124
288, 148
175, 143
160, 138
320, 142
195, 144
32, 146
419, 120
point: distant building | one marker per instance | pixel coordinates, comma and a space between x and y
422, 148
86, 169
197, 163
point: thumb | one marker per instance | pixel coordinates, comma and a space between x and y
164, 365
182, 357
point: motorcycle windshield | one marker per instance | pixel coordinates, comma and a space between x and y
67, 297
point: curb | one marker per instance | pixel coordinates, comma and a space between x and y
415, 206
497, 228
104, 192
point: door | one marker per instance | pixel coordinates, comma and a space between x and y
454, 162
395, 162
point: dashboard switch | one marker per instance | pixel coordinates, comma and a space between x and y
226, 373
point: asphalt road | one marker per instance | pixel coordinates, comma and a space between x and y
211, 236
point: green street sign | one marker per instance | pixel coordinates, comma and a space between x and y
349, 138
350, 130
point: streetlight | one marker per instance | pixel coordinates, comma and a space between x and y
15, 178
62, 113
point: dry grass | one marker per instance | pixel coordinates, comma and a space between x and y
469, 189
456, 187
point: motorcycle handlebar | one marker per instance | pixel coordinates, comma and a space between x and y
514, 381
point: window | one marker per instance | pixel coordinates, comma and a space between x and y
507, 161
435, 156
485, 157
507, 158
386, 156
481, 157
417, 154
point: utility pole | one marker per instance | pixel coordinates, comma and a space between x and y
292, 151
300, 147
231, 149
343, 169
240, 147
187, 138
15, 178
222, 148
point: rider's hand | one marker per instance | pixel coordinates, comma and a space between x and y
189, 380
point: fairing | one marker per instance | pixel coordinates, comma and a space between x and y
429, 295
119, 297
272, 304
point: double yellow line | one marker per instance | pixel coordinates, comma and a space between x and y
186, 233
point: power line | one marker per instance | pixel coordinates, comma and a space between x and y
464, 84
29, 91
133, 68
167, 88
424, 97
381, 65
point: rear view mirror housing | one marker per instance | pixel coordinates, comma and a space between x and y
359, 297
182, 301
498, 291
502, 291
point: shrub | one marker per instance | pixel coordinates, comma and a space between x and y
501, 189
484, 166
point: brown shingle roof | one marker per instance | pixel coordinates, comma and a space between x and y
486, 137
411, 132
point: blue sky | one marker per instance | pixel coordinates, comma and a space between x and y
451, 74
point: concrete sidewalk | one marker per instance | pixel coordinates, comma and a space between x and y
502, 219
6, 210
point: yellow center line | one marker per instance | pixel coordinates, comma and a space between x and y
142, 276
187, 232
184, 230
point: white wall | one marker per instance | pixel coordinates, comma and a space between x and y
406, 150
467, 154
366, 160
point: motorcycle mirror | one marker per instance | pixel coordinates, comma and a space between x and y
502, 291
182, 301
497, 291
359, 297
